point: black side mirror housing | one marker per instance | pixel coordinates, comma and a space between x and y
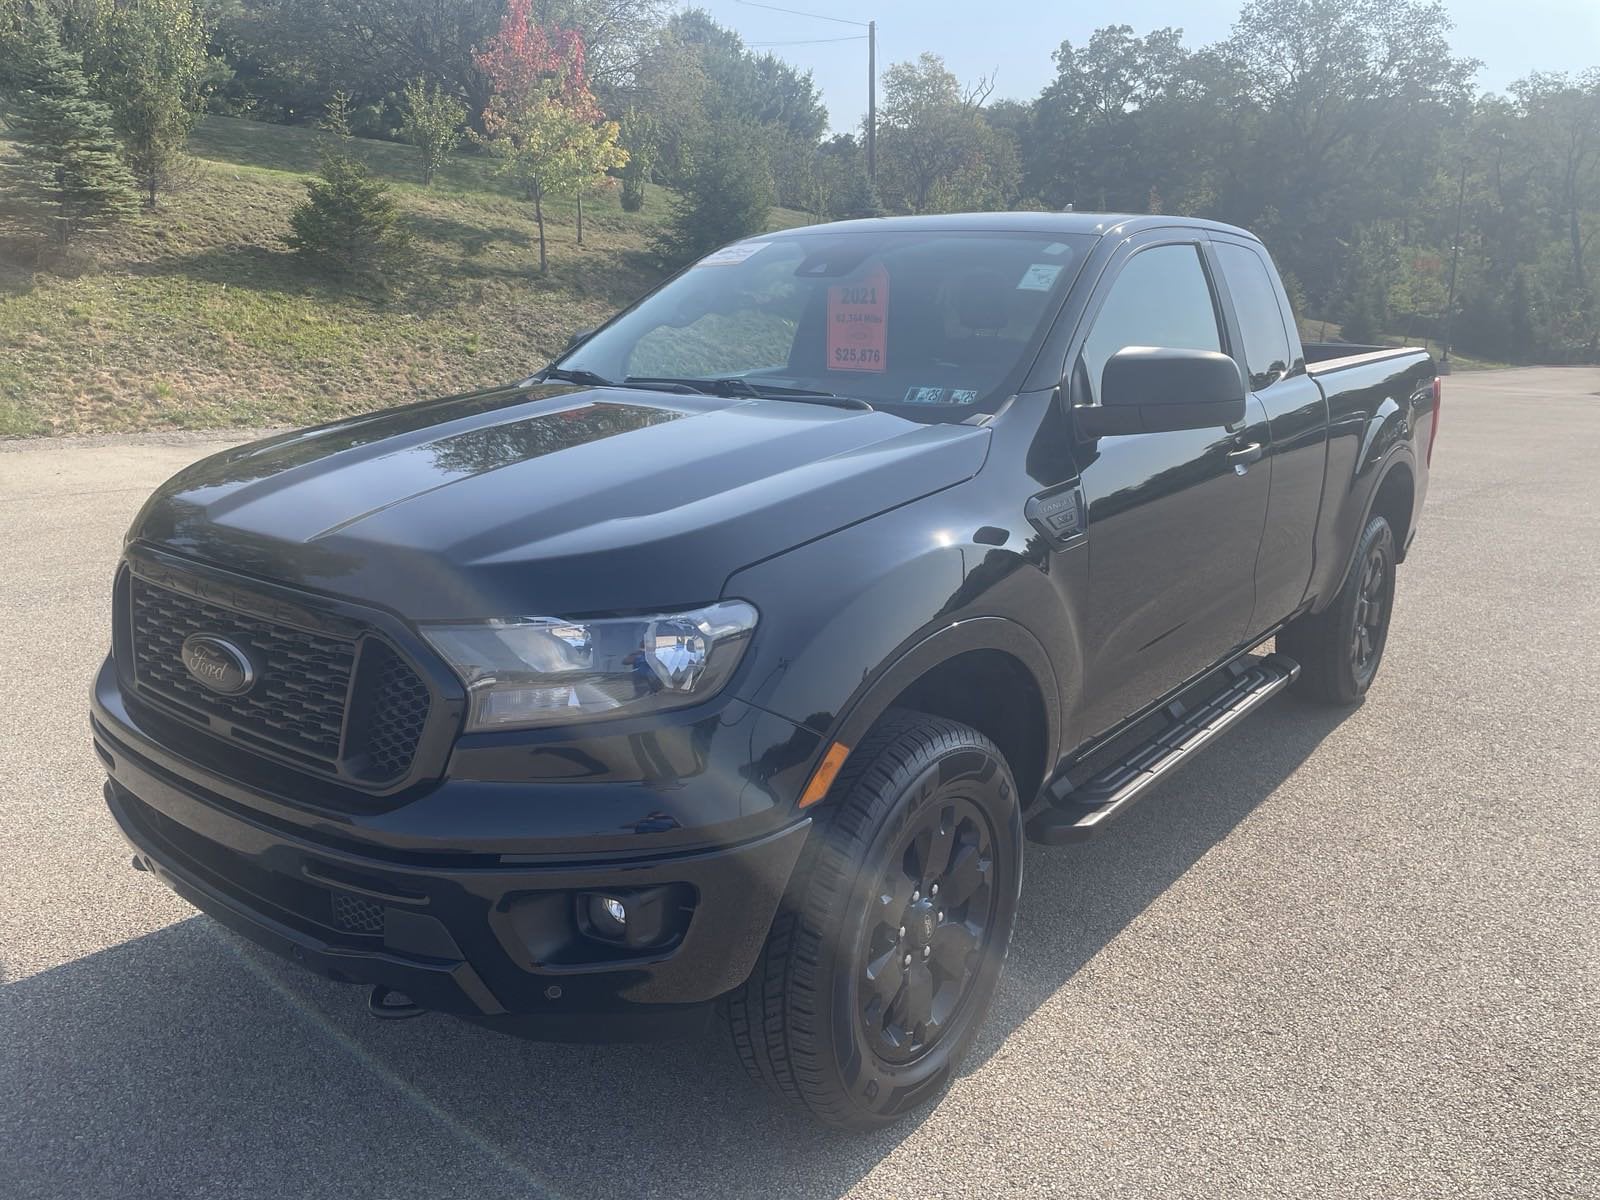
578, 337
1149, 389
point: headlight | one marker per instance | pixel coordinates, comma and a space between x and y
544, 671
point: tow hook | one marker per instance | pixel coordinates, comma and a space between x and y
389, 1005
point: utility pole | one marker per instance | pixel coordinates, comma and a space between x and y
872, 65
1455, 257
872, 102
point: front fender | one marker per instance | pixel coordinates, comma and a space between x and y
848, 621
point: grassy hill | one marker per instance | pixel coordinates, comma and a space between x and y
198, 316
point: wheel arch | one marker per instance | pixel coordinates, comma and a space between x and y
1393, 483
986, 672
1395, 500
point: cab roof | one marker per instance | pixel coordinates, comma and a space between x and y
1091, 223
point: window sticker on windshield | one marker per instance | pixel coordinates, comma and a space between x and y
924, 395
1056, 248
1040, 277
963, 396
858, 323
732, 255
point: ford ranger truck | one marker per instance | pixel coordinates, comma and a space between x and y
728, 661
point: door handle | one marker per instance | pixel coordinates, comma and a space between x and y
1244, 456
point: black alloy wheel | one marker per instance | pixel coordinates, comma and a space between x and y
923, 942
888, 948
1340, 648
1370, 614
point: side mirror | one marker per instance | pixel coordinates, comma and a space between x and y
579, 337
1146, 389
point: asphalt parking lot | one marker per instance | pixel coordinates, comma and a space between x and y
1344, 954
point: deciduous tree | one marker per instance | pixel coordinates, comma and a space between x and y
432, 122
542, 120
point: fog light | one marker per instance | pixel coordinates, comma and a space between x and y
638, 918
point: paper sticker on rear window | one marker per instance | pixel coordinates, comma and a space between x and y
731, 255
1056, 248
924, 395
1040, 277
858, 323
963, 396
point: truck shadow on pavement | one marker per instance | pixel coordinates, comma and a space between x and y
186, 1063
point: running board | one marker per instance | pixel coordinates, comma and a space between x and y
1075, 814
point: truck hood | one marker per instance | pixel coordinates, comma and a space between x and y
549, 500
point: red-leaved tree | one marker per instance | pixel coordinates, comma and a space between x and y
542, 120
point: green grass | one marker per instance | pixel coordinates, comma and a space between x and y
197, 316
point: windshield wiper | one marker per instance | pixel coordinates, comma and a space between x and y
566, 375
736, 386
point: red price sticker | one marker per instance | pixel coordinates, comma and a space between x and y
858, 323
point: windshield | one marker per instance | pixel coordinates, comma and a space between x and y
936, 325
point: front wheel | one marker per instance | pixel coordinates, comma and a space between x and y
1339, 649
887, 950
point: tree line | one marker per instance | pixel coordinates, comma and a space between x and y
1397, 197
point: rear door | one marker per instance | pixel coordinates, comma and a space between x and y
1266, 346
1174, 519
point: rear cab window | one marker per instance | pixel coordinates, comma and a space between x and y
1261, 317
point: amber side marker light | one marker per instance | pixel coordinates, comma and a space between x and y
822, 778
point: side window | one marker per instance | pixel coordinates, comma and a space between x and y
1160, 298
1255, 300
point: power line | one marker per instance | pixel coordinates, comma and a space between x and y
795, 12
854, 37
872, 66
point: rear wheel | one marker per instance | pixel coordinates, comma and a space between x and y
1340, 648
886, 952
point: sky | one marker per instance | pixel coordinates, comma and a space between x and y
1014, 38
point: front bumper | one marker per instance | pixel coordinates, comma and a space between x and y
492, 936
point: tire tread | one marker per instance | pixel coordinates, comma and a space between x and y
773, 1015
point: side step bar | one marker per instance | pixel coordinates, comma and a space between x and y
1077, 813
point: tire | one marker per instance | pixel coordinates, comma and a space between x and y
1340, 649
830, 1014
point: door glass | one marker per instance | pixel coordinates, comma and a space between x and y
1161, 298
1266, 343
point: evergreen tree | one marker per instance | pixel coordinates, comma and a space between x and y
726, 195
348, 224
66, 171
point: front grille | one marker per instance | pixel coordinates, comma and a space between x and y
305, 682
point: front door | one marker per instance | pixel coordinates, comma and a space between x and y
1174, 519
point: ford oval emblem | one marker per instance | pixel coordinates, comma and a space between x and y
218, 663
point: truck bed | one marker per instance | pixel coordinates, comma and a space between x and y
1322, 357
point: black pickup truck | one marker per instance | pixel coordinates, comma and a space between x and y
730, 659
